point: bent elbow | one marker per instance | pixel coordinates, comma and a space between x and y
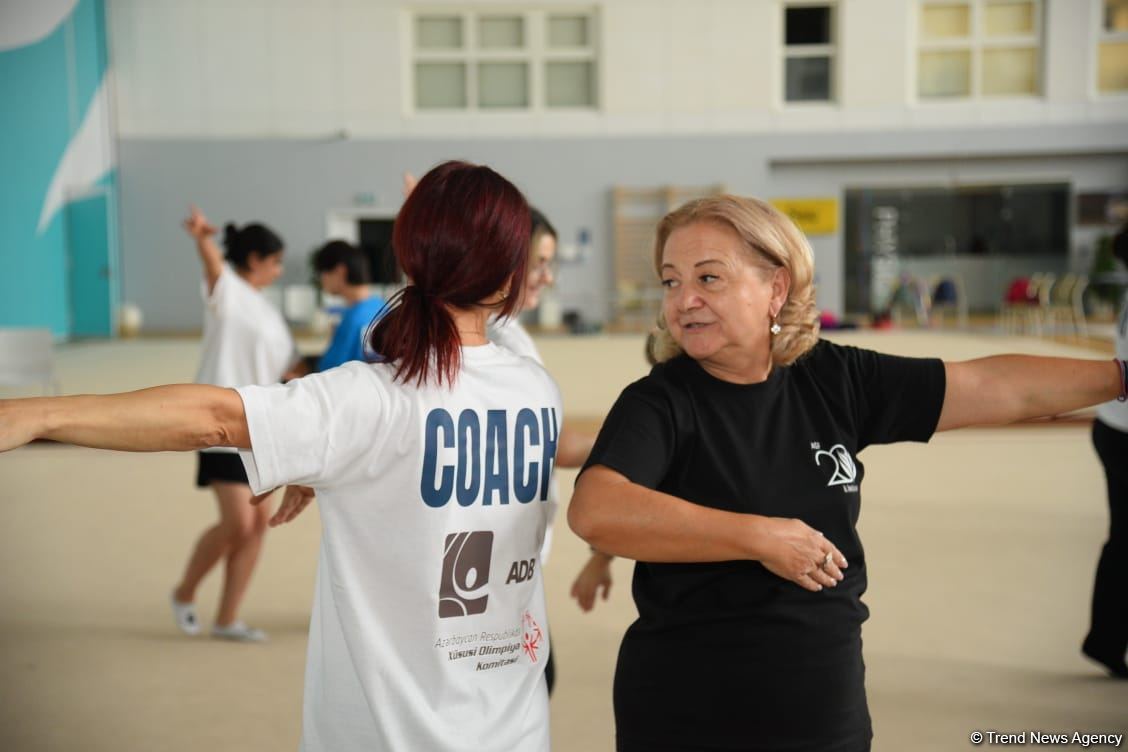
580, 517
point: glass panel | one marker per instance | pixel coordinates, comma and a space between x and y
438, 33
501, 32
570, 84
503, 85
1116, 15
807, 25
945, 21
944, 74
808, 79
1113, 66
567, 31
1010, 71
440, 85
1008, 18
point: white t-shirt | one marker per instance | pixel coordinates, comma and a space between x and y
428, 629
512, 336
246, 340
1114, 414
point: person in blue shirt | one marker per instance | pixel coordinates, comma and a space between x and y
342, 270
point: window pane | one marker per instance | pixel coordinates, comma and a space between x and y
570, 84
501, 32
1116, 15
808, 25
438, 33
440, 85
808, 79
1113, 66
1010, 71
944, 74
567, 31
503, 85
945, 21
1008, 18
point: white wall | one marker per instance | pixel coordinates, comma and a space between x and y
315, 68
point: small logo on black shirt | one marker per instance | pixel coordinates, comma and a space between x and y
466, 572
845, 471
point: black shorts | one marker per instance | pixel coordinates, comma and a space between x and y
225, 467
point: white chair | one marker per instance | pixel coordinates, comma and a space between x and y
27, 356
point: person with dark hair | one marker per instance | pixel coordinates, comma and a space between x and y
1107, 640
342, 270
246, 341
431, 469
574, 444
731, 475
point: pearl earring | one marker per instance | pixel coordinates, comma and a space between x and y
775, 328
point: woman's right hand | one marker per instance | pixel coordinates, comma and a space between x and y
795, 551
197, 224
18, 424
294, 500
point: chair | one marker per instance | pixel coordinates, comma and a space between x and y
1060, 309
948, 295
27, 356
1016, 303
1077, 303
1026, 304
913, 294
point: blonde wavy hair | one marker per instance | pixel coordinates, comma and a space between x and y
773, 242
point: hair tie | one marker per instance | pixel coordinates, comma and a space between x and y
417, 290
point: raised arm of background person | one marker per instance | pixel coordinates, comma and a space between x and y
180, 417
203, 232
574, 446
1009, 388
622, 518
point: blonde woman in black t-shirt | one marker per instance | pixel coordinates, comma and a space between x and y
730, 474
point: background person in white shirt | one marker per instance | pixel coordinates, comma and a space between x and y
431, 470
246, 341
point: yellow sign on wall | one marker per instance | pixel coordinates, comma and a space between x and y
814, 216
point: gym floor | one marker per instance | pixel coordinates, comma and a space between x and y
981, 547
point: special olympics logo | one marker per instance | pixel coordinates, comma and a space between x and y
845, 471
532, 638
466, 572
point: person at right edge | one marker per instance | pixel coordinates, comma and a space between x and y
1107, 641
731, 475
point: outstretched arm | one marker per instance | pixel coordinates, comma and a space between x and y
1009, 388
202, 232
622, 518
574, 446
181, 417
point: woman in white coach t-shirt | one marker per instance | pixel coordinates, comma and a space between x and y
431, 470
246, 341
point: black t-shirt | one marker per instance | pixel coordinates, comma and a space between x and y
727, 655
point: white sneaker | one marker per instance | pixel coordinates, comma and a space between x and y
237, 631
184, 614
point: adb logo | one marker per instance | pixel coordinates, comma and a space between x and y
466, 572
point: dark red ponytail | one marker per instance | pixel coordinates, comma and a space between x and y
461, 237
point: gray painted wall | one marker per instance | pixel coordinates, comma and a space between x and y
292, 184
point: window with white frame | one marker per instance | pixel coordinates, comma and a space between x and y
1112, 48
808, 52
979, 48
488, 60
